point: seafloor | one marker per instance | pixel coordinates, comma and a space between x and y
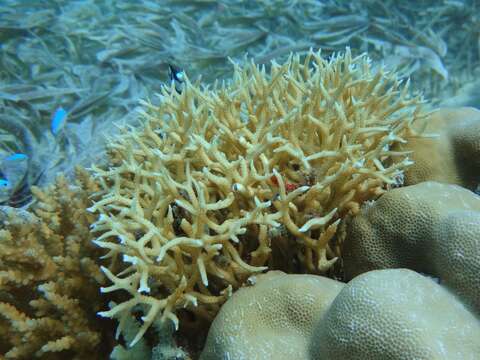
96, 59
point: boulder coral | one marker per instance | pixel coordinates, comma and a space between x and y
452, 156
218, 182
274, 318
384, 314
430, 227
396, 314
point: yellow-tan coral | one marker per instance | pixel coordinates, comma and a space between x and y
49, 277
219, 182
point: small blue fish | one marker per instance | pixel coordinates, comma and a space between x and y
16, 157
5, 191
4, 184
13, 169
59, 119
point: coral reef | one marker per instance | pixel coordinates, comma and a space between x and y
50, 276
97, 58
274, 318
453, 156
394, 314
188, 208
430, 227
222, 183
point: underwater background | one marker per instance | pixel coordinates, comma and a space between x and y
73, 72
94, 60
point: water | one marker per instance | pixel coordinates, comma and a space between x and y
98, 59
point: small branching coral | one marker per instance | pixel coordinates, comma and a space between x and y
49, 277
218, 182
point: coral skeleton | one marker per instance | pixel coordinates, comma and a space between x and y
218, 182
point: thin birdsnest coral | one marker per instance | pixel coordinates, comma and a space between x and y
223, 183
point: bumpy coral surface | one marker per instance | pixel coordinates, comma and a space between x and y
385, 314
396, 314
49, 278
429, 227
223, 183
453, 155
273, 319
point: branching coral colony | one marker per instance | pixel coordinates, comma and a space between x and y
195, 201
49, 277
